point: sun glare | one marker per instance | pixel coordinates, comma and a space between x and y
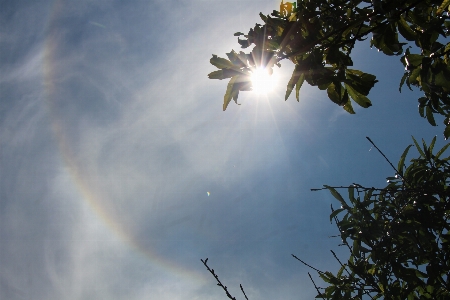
262, 82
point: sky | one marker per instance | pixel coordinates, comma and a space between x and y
119, 170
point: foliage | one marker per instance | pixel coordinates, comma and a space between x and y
318, 37
398, 237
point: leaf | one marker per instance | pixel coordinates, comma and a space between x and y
341, 270
351, 194
263, 17
441, 151
229, 94
335, 213
238, 34
216, 75
238, 60
220, 62
430, 116
413, 60
348, 106
443, 6
413, 76
222, 74
447, 132
433, 141
299, 84
422, 111
402, 159
357, 97
356, 248
361, 82
405, 30
334, 92
336, 195
418, 148
294, 78
402, 82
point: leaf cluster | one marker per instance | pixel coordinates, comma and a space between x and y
398, 236
318, 37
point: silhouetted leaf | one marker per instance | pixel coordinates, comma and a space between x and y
402, 159
405, 30
430, 116
336, 195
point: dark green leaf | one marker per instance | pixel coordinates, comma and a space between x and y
447, 132
433, 141
430, 116
405, 30
335, 213
402, 81
402, 159
348, 104
351, 194
334, 93
442, 151
357, 97
413, 60
422, 111
418, 147
336, 195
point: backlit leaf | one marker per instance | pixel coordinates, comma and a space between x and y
357, 97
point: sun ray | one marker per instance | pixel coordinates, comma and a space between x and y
262, 81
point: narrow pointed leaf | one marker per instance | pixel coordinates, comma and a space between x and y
299, 84
292, 82
418, 148
335, 213
229, 93
402, 160
442, 151
430, 116
336, 195
433, 142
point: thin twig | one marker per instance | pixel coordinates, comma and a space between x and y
342, 265
217, 278
317, 289
397, 172
242, 289
317, 270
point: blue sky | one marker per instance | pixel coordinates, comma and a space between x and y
119, 170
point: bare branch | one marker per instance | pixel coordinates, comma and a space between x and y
218, 281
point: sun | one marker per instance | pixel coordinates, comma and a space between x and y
262, 81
